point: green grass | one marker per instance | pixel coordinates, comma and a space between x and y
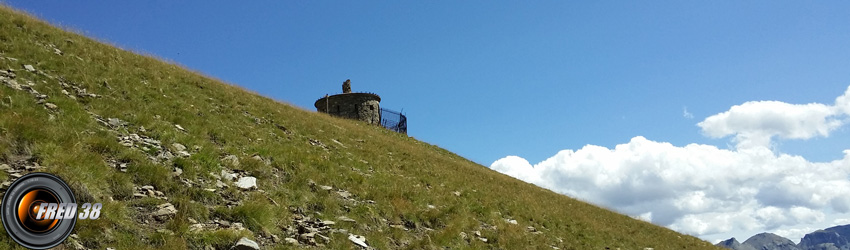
400, 174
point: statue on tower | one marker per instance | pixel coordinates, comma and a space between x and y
346, 86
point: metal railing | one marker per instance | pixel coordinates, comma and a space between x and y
394, 121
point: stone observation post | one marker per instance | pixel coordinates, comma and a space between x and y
346, 86
360, 106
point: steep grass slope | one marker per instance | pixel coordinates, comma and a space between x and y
137, 134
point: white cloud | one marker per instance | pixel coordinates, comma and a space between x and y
687, 114
704, 190
644, 217
841, 221
755, 123
842, 103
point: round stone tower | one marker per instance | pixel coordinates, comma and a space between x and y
360, 106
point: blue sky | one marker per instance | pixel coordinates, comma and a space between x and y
494, 79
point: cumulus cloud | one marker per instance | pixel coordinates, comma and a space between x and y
842, 103
841, 221
755, 123
702, 189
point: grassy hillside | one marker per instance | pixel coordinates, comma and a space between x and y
137, 133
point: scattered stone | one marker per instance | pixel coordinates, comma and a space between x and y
115, 122
165, 231
153, 147
228, 176
80, 92
215, 225
178, 147
477, 235
149, 191
246, 244
358, 240
345, 219
315, 142
307, 230
247, 183
431, 206
196, 227
179, 127
282, 128
35, 166
183, 154
231, 160
29, 68
223, 223
512, 221
308, 237
51, 106
344, 194
261, 159
290, 241
177, 172
463, 236
73, 242
9, 73
165, 155
164, 211
325, 188
11, 83
456, 193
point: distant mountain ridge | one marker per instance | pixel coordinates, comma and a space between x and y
833, 238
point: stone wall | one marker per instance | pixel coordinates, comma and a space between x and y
361, 106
